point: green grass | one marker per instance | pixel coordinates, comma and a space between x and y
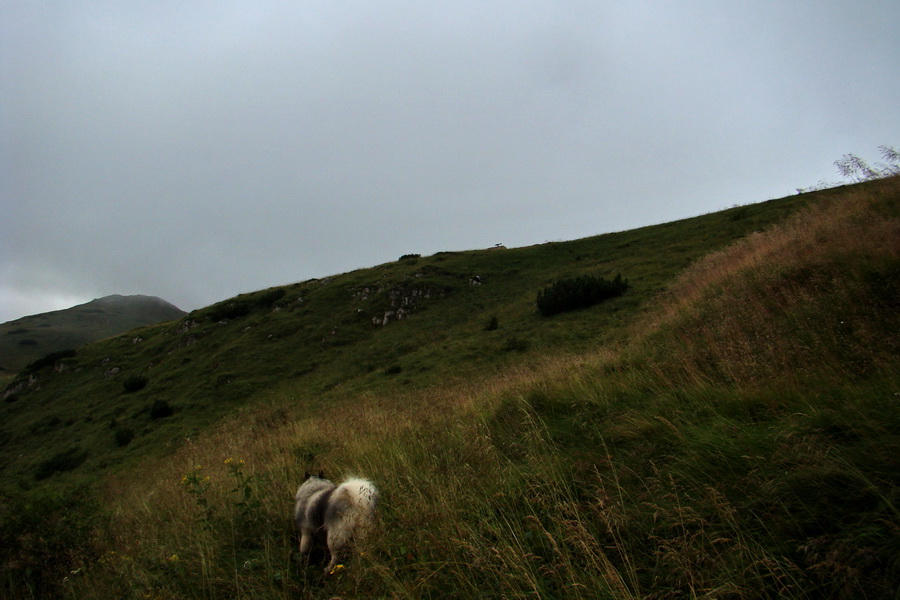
715, 432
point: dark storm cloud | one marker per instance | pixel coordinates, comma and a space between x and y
194, 151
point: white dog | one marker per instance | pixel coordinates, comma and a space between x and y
335, 513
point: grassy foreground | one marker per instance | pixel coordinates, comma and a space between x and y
744, 442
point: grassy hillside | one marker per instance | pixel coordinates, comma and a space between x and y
416, 322
28, 339
727, 428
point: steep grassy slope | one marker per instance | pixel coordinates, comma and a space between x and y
728, 428
414, 322
27, 339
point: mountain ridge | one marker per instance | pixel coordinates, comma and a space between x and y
28, 338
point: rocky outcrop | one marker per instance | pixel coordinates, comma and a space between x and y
384, 304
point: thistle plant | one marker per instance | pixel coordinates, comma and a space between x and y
244, 487
243, 493
197, 485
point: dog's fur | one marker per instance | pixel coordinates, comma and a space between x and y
335, 513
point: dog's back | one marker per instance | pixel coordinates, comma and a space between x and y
310, 507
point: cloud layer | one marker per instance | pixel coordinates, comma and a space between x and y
198, 150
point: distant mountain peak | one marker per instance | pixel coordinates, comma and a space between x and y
136, 299
28, 338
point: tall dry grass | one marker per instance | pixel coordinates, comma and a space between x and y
179, 528
704, 461
815, 294
477, 501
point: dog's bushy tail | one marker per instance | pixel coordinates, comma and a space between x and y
350, 515
359, 497
354, 503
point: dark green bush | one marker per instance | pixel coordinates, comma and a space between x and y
229, 310
48, 361
45, 424
516, 344
270, 297
492, 324
160, 410
124, 435
63, 461
135, 383
578, 292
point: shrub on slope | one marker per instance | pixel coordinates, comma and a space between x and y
578, 292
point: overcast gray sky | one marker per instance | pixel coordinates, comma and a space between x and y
197, 150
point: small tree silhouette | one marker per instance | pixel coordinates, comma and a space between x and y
853, 167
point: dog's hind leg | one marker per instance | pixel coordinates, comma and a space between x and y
306, 538
337, 540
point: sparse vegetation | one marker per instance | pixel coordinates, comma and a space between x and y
726, 429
